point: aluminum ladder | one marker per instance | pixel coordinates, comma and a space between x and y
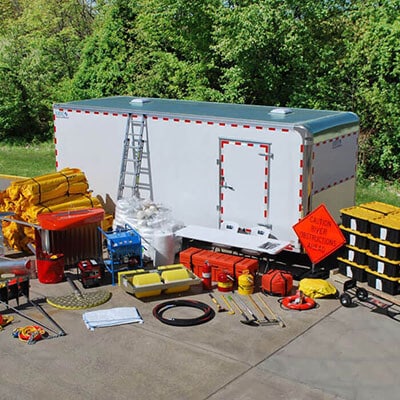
135, 158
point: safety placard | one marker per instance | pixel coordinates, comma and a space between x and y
319, 234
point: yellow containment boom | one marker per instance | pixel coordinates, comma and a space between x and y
168, 279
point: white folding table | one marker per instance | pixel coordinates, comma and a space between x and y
232, 239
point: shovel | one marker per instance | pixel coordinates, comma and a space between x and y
246, 320
255, 319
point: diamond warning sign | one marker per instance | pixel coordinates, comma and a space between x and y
319, 234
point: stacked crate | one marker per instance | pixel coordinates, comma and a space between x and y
372, 252
195, 258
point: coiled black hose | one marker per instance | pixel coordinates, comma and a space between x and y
208, 312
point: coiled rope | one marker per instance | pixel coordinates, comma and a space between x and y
30, 334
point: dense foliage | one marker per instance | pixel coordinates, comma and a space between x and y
331, 54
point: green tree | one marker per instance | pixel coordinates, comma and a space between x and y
39, 52
280, 52
149, 47
324, 28
105, 68
374, 63
175, 56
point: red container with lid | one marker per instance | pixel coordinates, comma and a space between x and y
50, 268
225, 282
186, 257
249, 264
199, 259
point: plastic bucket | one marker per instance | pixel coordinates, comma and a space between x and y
50, 269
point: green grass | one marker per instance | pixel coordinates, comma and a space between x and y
38, 159
377, 189
29, 160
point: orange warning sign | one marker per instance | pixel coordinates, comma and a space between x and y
319, 234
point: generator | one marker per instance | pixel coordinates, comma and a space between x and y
90, 273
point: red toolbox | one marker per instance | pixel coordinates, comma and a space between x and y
194, 259
249, 264
224, 263
199, 260
186, 257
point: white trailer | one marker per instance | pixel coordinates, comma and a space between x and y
215, 162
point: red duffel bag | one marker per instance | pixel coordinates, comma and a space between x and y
276, 282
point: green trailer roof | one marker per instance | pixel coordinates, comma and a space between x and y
315, 121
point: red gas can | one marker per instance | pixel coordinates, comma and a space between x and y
225, 282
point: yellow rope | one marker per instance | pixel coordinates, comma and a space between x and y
5, 320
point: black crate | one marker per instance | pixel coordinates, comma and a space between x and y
355, 238
358, 218
355, 255
387, 228
382, 282
384, 265
352, 270
385, 249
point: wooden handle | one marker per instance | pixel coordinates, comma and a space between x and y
281, 323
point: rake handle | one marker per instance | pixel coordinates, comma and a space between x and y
258, 307
242, 313
281, 323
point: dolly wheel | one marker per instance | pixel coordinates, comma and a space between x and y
362, 294
345, 300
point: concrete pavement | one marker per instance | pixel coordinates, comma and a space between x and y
329, 352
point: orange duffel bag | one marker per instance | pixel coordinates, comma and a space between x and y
277, 282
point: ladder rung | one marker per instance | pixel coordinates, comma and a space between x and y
136, 153
143, 186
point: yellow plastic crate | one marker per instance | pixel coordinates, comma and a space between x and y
384, 248
386, 228
352, 269
380, 207
359, 218
384, 265
383, 282
355, 238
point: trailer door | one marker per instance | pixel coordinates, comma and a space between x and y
244, 182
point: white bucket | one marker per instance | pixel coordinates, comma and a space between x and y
160, 247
